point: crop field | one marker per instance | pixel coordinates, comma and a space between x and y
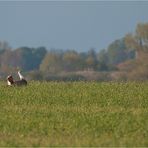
74, 114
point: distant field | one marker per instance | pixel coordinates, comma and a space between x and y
74, 114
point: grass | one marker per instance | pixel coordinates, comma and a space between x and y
74, 114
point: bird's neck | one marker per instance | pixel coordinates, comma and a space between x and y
21, 77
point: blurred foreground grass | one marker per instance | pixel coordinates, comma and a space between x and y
74, 114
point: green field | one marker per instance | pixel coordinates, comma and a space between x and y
74, 114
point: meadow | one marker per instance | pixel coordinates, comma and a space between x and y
74, 114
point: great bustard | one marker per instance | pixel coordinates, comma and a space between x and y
11, 81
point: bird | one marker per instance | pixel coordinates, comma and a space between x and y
12, 82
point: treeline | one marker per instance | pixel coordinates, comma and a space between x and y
52, 62
24, 58
106, 64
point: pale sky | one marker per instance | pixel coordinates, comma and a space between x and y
78, 25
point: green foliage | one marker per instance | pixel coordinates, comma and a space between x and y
41, 64
91, 60
25, 58
116, 53
38, 55
138, 41
69, 60
74, 114
52, 63
142, 35
72, 61
30, 57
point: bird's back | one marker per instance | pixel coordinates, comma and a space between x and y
20, 82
